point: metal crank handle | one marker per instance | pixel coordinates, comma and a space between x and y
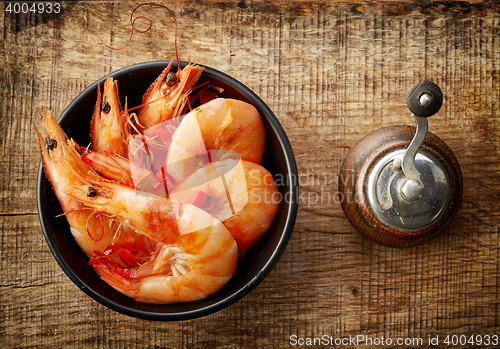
424, 99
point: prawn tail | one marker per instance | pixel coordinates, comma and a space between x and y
119, 278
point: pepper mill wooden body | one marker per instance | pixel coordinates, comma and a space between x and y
401, 185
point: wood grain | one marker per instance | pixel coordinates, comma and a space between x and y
331, 72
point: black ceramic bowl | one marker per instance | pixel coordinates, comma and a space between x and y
257, 262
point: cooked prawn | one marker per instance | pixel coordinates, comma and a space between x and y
193, 266
62, 164
241, 194
223, 124
152, 216
167, 96
110, 126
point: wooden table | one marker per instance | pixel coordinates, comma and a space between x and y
331, 72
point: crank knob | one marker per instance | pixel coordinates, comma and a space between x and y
425, 99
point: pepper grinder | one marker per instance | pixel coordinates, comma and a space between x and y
401, 185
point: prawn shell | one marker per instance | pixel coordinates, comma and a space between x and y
244, 197
221, 124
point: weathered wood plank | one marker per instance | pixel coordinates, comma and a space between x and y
332, 72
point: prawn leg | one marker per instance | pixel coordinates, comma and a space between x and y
119, 169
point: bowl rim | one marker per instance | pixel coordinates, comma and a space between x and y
253, 282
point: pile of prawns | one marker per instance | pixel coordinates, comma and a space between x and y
169, 240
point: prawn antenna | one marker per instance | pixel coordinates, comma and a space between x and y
150, 25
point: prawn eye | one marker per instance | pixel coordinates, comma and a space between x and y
171, 79
91, 192
165, 91
105, 107
50, 144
